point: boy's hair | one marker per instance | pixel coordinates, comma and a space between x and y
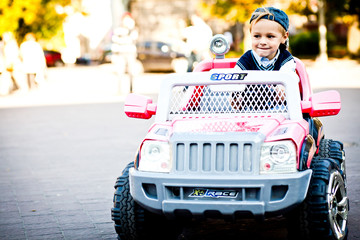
270, 13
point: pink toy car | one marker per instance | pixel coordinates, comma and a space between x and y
227, 144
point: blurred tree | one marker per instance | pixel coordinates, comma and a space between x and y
235, 12
328, 12
41, 17
231, 10
354, 8
334, 8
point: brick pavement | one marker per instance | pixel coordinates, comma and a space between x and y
58, 165
60, 156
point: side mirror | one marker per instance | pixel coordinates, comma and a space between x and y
138, 106
325, 103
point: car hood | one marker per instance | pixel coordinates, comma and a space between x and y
274, 128
264, 125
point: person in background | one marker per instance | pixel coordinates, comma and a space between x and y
269, 35
229, 38
124, 47
11, 59
33, 60
198, 37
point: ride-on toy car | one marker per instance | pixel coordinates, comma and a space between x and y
226, 144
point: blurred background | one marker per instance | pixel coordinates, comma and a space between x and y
67, 65
133, 37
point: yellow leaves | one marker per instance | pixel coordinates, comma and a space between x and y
13, 10
38, 16
348, 19
8, 18
28, 9
231, 11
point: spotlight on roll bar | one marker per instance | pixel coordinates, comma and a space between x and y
219, 46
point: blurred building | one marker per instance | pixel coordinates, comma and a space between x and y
86, 29
88, 32
162, 19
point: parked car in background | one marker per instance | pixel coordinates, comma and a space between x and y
53, 58
161, 56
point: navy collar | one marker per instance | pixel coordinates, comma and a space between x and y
264, 62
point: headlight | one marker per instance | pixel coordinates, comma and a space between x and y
278, 157
219, 45
155, 157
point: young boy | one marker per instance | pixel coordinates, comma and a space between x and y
269, 33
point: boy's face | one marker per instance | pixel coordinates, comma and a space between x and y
266, 36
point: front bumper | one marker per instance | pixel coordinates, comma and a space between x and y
206, 195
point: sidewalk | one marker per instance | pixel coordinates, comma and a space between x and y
101, 83
343, 73
82, 84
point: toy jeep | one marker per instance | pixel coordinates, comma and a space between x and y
226, 144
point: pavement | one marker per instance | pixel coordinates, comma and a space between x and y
81, 84
101, 83
336, 73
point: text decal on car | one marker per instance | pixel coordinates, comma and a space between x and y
227, 76
214, 193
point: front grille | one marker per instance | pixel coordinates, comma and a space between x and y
212, 156
243, 99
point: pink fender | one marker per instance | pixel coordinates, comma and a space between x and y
137, 106
325, 103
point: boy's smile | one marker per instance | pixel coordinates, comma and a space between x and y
266, 38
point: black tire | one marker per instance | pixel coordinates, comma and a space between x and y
333, 149
132, 222
323, 214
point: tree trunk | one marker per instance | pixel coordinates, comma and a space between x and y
323, 57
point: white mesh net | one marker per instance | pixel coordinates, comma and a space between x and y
244, 99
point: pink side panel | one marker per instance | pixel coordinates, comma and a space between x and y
305, 87
209, 64
306, 106
322, 104
323, 97
225, 63
326, 103
204, 66
151, 108
136, 106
